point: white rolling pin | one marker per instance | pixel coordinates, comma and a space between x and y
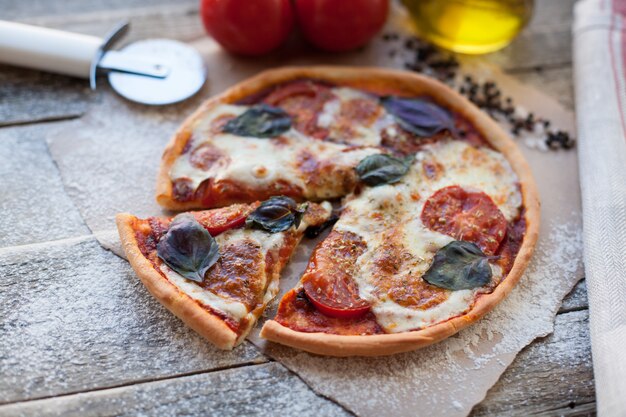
48, 49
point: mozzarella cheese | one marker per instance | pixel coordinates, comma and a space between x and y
378, 211
224, 305
472, 168
260, 162
359, 134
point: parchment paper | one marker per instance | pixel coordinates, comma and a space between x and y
109, 159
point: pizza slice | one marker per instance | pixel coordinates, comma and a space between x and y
217, 269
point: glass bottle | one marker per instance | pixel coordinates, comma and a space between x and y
470, 26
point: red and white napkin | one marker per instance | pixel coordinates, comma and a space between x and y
600, 81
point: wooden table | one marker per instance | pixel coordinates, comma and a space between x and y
60, 355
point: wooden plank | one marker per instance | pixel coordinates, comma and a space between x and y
179, 20
546, 42
576, 299
555, 82
33, 202
74, 317
20, 10
30, 96
553, 376
260, 390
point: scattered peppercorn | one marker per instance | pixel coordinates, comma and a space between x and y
423, 57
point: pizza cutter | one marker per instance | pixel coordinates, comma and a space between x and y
154, 71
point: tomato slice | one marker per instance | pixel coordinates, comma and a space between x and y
328, 282
303, 100
464, 215
335, 297
218, 221
234, 223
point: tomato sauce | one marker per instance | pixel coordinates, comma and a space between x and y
298, 313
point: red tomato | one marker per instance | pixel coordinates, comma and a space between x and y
247, 27
328, 283
220, 220
464, 215
335, 298
340, 25
303, 100
233, 223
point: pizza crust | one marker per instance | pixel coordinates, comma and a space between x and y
382, 81
208, 325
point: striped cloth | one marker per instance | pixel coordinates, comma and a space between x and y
600, 81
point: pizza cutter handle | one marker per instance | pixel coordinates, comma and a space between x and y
54, 50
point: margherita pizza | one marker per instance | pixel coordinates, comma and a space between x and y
439, 212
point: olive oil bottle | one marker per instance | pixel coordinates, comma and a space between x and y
470, 26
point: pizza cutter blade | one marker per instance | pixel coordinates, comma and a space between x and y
153, 72
185, 75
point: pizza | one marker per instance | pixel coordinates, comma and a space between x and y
438, 213
217, 269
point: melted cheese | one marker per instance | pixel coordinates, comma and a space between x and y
259, 162
231, 308
367, 135
396, 208
472, 168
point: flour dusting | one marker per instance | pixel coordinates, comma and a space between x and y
450, 377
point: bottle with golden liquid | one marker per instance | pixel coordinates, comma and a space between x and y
470, 26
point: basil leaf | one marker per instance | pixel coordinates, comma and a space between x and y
188, 248
459, 265
380, 169
418, 116
260, 121
276, 215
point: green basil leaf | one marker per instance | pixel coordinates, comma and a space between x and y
380, 169
260, 121
188, 248
276, 215
418, 116
459, 265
